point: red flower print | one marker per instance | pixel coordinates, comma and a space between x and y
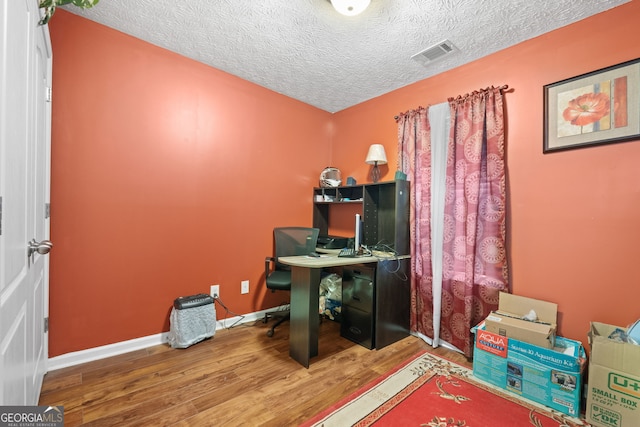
587, 108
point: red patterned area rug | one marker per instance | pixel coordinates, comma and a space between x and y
429, 391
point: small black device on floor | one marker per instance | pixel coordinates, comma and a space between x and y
191, 301
192, 319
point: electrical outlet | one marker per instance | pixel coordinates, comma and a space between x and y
215, 291
244, 287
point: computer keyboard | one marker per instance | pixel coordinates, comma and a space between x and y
347, 253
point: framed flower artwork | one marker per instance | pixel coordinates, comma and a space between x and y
600, 107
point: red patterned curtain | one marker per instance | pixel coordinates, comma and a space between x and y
414, 154
474, 264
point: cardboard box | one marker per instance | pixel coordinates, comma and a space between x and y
507, 320
613, 392
552, 377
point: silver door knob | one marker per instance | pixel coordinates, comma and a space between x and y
42, 247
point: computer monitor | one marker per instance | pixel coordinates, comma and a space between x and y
358, 234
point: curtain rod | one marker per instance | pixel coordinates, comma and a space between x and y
503, 88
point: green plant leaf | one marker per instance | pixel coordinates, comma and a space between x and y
49, 7
85, 4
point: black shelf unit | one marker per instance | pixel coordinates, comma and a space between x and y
385, 211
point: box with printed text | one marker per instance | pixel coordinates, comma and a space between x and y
552, 377
613, 391
509, 320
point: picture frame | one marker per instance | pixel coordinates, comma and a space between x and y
596, 108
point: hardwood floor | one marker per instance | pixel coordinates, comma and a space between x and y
240, 377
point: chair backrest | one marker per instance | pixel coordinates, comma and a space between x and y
291, 241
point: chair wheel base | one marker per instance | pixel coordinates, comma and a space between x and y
270, 333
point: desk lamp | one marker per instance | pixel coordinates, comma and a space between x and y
376, 156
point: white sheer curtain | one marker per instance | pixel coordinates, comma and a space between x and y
439, 119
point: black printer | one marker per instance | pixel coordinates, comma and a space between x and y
332, 242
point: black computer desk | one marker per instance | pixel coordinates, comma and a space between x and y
305, 289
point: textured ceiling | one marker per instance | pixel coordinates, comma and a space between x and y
306, 50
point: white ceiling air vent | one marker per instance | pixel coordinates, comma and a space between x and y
434, 52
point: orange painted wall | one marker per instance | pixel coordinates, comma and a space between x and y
574, 216
167, 176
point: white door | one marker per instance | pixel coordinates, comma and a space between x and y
25, 111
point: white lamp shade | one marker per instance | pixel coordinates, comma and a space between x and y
350, 7
376, 154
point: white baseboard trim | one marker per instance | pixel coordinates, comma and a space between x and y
97, 353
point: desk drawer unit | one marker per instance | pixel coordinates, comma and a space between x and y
358, 299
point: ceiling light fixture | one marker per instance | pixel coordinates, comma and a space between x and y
350, 7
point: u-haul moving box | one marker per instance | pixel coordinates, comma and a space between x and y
613, 392
552, 377
507, 320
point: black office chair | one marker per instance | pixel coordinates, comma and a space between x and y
289, 241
